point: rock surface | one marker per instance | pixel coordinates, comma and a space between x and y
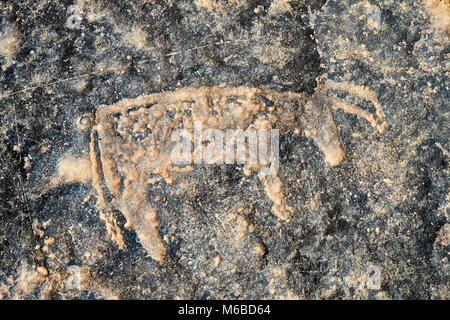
374, 227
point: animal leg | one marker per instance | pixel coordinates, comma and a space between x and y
142, 217
107, 213
273, 187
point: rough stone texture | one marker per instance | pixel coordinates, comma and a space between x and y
385, 207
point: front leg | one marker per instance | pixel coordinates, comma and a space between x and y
274, 190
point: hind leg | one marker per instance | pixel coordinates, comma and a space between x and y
142, 217
107, 213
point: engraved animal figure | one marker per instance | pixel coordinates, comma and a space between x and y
131, 143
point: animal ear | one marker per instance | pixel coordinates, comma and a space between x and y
338, 103
362, 92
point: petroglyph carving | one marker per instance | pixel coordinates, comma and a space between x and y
131, 143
